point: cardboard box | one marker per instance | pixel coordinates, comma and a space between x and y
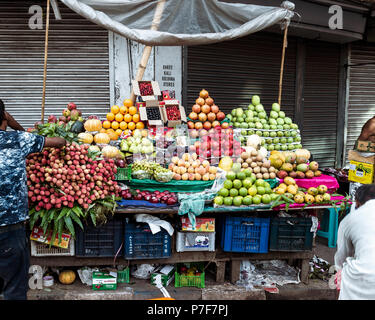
366, 146
177, 108
201, 224
37, 234
104, 280
166, 274
361, 167
146, 96
143, 113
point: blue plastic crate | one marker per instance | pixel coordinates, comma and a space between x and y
101, 241
245, 234
140, 243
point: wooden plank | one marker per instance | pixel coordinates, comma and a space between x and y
220, 271
305, 267
235, 270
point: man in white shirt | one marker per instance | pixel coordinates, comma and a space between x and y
355, 256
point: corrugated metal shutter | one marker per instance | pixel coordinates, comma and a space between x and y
234, 71
319, 132
78, 63
361, 106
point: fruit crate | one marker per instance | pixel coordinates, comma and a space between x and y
190, 281
140, 243
123, 174
101, 241
123, 275
291, 234
39, 249
195, 241
245, 234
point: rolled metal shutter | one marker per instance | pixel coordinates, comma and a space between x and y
77, 70
361, 105
233, 71
319, 132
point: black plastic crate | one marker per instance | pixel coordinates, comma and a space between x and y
140, 243
102, 241
290, 234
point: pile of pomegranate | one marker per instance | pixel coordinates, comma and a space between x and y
67, 177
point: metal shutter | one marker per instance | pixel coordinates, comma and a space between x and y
233, 71
77, 70
319, 133
361, 106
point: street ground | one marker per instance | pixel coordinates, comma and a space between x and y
139, 289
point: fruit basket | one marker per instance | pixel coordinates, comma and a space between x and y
123, 276
290, 234
190, 275
140, 243
245, 234
123, 174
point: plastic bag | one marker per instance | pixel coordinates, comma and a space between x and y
143, 271
163, 176
141, 175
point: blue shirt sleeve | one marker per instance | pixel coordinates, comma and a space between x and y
30, 143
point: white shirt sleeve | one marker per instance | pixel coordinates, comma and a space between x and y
345, 246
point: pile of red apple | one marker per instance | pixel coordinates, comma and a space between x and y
217, 143
67, 177
205, 113
166, 197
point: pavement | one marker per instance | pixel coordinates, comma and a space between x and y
139, 289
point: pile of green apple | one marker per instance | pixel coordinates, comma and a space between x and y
136, 145
281, 133
242, 188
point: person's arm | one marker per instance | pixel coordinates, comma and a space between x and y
367, 130
56, 142
344, 244
13, 123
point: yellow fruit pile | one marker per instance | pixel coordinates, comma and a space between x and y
292, 191
122, 119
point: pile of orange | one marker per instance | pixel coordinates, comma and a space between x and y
122, 119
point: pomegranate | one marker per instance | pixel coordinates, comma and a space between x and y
193, 116
209, 101
200, 101
211, 117
202, 117
196, 108
206, 108
220, 116
203, 94
214, 108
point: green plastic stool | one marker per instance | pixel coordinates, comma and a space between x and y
330, 223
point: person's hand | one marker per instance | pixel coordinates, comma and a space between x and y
338, 279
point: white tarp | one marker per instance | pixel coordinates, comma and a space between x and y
183, 22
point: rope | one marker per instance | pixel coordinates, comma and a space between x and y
45, 61
209, 262
282, 63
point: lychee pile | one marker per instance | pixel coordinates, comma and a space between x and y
67, 177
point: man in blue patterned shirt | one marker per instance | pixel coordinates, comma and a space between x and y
15, 146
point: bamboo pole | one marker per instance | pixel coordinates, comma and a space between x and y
45, 61
147, 49
282, 63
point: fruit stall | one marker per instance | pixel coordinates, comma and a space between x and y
152, 185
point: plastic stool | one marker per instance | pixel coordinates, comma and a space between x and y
331, 222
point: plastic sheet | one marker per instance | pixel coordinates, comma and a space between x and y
266, 273
329, 181
182, 22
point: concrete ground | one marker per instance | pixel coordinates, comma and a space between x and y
142, 289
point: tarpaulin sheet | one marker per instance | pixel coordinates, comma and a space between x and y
182, 22
328, 181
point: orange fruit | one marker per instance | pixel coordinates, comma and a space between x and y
128, 103
140, 125
128, 118
126, 131
131, 125
132, 110
136, 118
113, 135
118, 132
123, 110
110, 116
106, 124
115, 109
119, 117
144, 132
110, 130
102, 130
123, 125
115, 125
